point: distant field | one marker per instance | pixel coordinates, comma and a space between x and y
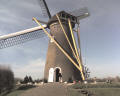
75, 90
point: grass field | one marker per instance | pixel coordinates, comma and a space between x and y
76, 90
96, 92
101, 89
18, 90
105, 91
16, 93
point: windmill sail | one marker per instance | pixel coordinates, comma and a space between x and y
45, 9
21, 37
80, 13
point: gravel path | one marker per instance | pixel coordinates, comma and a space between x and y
48, 89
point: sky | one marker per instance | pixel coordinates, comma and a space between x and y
99, 36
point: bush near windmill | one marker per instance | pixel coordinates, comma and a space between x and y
6, 79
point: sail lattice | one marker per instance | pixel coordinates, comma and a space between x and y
8, 42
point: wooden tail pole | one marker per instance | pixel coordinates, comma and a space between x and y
57, 44
75, 45
77, 57
74, 41
80, 53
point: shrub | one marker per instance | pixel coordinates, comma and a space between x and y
6, 79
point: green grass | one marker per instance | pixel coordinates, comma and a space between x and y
77, 90
95, 89
15, 93
18, 90
105, 91
74, 92
99, 85
96, 92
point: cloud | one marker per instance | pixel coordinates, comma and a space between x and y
34, 68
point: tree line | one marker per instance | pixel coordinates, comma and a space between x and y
29, 80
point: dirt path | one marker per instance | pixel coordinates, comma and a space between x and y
49, 89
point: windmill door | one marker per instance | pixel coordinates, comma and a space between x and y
51, 75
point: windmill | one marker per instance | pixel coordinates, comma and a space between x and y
64, 61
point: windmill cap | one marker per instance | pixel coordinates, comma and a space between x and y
64, 17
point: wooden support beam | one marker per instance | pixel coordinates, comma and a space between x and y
75, 46
67, 37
